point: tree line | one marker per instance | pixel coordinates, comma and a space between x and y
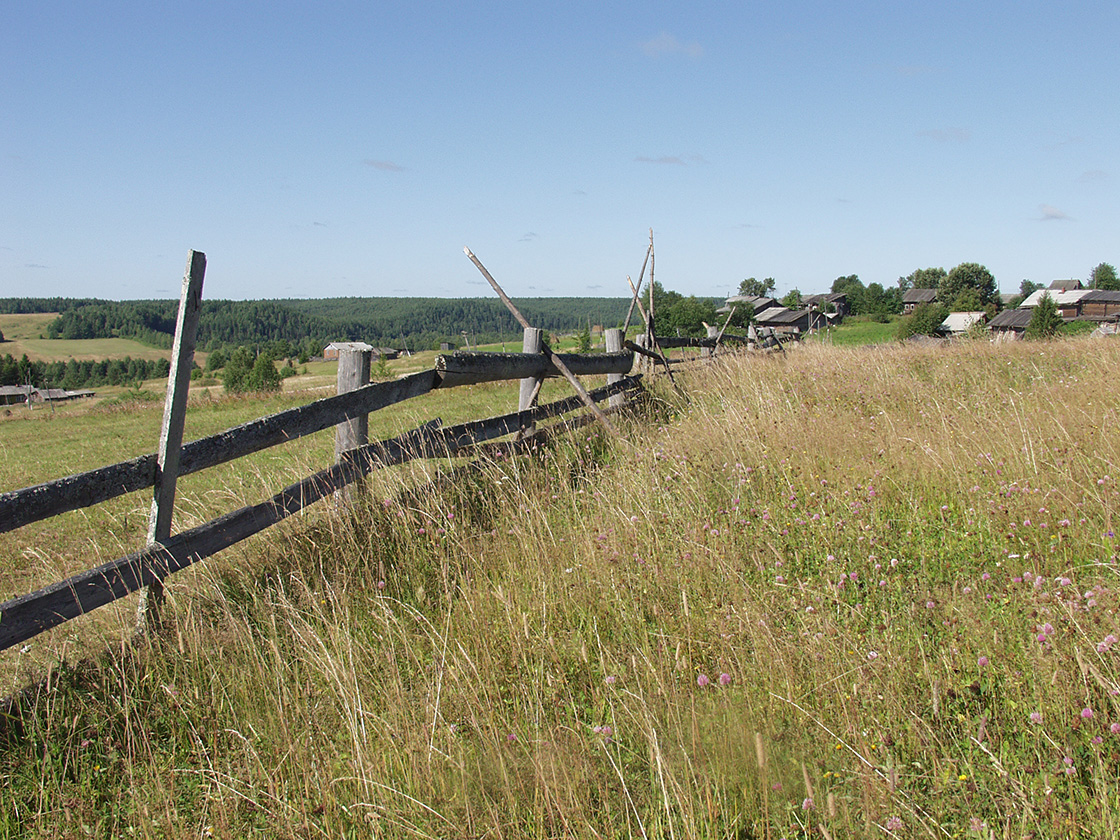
73, 374
418, 323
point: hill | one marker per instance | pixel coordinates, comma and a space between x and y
838, 592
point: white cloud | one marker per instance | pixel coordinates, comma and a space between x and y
384, 165
666, 44
947, 135
671, 160
1094, 176
1052, 214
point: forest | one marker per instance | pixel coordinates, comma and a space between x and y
308, 325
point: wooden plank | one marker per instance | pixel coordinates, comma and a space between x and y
353, 373
472, 368
42, 501
28, 615
174, 419
556, 360
529, 389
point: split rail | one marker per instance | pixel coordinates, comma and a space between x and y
144, 571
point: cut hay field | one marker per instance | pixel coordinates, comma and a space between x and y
840, 592
26, 335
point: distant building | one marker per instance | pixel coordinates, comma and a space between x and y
959, 323
331, 351
913, 298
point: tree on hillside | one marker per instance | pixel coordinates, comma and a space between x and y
852, 288
962, 278
1045, 320
758, 288
922, 278
583, 339
924, 320
263, 376
1104, 277
235, 377
673, 313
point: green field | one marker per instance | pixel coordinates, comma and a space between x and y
835, 592
26, 335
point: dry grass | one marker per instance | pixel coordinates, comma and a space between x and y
839, 593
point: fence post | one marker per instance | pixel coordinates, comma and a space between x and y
713, 332
645, 363
613, 338
171, 432
532, 342
353, 373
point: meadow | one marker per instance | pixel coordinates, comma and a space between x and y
836, 592
26, 335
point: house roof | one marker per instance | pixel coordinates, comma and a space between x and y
1011, 319
959, 322
1101, 296
1066, 298
1065, 285
757, 301
348, 345
834, 297
919, 296
780, 315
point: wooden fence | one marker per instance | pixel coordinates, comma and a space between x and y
23, 617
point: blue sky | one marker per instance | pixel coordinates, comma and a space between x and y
355, 148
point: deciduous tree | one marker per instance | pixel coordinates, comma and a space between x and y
967, 276
1104, 277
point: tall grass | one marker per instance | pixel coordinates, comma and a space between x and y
835, 593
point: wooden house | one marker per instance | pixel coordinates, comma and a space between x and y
330, 352
913, 298
1100, 305
784, 320
1010, 324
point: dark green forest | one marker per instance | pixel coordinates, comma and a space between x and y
419, 323
299, 329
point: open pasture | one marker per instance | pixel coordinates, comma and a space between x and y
837, 592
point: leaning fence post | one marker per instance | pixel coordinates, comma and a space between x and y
713, 332
613, 338
353, 373
171, 433
532, 342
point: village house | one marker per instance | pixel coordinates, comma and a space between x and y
331, 351
959, 323
913, 298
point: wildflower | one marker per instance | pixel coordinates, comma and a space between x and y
1087, 713
1106, 643
702, 680
1114, 729
511, 737
807, 803
894, 823
1036, 717
930, 605
611, 680
724, 679
983, 662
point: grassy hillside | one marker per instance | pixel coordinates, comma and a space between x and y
26, 334
844, 592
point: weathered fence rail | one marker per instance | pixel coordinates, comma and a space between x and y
23, 617
26, 616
